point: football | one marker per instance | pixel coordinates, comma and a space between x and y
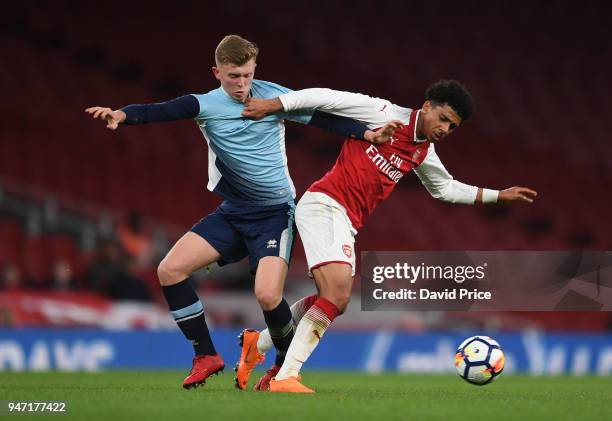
479, 360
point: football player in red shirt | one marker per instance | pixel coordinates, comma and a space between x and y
332, 210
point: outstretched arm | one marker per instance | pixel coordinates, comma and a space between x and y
374, 112
441, 185
180, 108
258, 108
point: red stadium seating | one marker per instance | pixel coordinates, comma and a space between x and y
539, 90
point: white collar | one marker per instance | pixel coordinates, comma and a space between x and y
416, 120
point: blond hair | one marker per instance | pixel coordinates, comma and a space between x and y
233, 49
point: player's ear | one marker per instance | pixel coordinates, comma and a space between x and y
216, 72
426, 107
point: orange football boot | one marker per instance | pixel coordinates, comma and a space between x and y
290, 385
249, 358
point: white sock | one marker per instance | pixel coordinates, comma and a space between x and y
264, 343
307, 335
298, 309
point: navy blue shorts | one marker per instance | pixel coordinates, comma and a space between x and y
255, 231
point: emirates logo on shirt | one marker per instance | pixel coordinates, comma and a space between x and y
348, 250
390, 168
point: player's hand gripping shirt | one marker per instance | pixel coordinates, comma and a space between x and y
365, 174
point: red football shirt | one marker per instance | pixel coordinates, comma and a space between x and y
365, 174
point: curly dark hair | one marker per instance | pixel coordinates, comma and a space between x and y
454, 94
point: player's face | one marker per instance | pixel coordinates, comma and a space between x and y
236, 80
437, 121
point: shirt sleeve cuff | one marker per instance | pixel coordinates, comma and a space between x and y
286, 101
489, 196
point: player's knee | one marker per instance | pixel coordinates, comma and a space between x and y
170, 273
339, 295
268, 299
342, 300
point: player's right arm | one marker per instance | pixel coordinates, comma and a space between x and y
184, 107
374, 112
371, 111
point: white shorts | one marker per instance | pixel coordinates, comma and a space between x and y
326, 231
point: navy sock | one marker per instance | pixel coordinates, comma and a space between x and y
280, 358
188, 312
280, 326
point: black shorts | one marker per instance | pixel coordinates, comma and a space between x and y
237, 231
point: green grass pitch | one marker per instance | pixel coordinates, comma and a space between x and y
150, 395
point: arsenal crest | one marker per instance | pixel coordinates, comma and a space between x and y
348, 250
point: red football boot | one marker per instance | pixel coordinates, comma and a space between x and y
263, 384
204, 366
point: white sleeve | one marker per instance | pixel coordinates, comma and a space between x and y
440, 184
374, 112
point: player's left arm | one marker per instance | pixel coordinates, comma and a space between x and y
343, 126
441, 185
354, 129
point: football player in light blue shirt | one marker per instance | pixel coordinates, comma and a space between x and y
247, 160
248, 168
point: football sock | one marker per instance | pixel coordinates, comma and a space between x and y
300, 307
280, 358
264, 343
308, 333
280, 326
188, 313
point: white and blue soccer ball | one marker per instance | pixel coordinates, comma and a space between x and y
479, 360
